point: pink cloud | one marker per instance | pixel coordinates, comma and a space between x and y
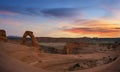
102, 32
10, 22
114, 12
7, 13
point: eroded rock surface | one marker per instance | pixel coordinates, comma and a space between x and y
3, 36
33, 39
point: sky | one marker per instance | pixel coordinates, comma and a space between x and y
61, 18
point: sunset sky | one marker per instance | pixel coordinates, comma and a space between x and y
61, 18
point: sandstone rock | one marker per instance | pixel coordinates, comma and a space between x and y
69, 47
33, 39
3, 36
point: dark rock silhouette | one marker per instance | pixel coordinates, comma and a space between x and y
33, 39
115, 45
77, 65
3, 36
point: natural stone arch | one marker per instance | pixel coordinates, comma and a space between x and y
3, 36
33, 39
69, 47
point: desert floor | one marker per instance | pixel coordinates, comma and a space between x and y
15, 57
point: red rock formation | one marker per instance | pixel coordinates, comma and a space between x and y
33, 39
70, 47
3, 36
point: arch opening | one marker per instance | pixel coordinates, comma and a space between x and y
30, 36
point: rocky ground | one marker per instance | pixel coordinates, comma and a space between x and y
15, 57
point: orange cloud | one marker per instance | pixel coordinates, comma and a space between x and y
99, 28
101, 32
99, 23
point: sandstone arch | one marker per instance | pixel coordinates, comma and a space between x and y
3, 36
33, 39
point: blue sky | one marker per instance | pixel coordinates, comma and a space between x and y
61, 18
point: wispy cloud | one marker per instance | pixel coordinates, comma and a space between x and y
20, 10
62, 12
97, 23
6, 21
99, 28
7, 13
93, 30
55, 12
100, 32
112, 12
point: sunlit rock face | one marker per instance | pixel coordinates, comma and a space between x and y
33, 39
3, 36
